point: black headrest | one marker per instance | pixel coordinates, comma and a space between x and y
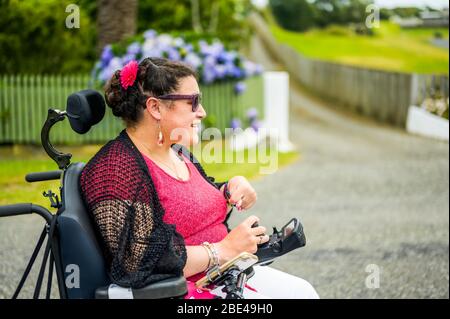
85, 109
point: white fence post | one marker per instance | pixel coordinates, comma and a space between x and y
276, 107
276, 112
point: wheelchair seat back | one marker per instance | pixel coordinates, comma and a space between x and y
82, 258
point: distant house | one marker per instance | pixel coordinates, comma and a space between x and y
427, 19
435, 18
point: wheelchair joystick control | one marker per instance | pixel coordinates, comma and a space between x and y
290, 237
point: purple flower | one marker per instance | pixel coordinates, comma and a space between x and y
213, 50
211, 61
227, 57
134, 48
229, 68
251, 68
103, 76
256, 125
237, 72
106, 56
217, 48
193, 60
114, 65
164, 41
178, 42
204, 47
127, 58
240, 88
208, 75
235, 123
189, 47
150, 34
173, 54
221, 71
252, 114
150, 49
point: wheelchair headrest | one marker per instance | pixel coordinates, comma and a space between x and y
85, 109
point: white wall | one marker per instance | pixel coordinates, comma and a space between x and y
423, 123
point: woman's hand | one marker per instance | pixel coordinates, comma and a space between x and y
242, 238
242, 193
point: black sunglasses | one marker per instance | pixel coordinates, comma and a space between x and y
196, 99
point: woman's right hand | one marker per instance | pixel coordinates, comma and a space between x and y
242, 238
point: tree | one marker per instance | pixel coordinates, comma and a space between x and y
34, 38
214, 16
300, 15
328, 12
295, 15
224, 19
116, 20
355, 11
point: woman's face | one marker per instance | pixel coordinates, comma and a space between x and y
178, 122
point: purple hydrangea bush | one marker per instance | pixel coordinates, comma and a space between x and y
212, 61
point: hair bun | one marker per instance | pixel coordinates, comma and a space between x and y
113, 93
123, 103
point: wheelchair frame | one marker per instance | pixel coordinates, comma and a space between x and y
82, 116
52, 248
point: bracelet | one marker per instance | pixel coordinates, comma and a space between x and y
214, 256
210, 254
226, 192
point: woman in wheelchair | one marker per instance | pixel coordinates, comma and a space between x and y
157, 212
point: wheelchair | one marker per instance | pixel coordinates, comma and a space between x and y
72, 248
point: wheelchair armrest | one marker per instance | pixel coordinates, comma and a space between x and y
167, 288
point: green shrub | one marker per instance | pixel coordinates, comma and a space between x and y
294, 15
34, 38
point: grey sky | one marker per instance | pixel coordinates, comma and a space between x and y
412, 3
391, 3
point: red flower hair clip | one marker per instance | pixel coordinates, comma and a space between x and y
128, 74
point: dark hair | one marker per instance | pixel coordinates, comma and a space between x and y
157, 76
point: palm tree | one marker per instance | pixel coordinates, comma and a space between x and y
116, 19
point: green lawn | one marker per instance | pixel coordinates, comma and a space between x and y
391, 48
16, 162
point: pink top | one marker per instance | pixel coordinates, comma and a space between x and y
195, 207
